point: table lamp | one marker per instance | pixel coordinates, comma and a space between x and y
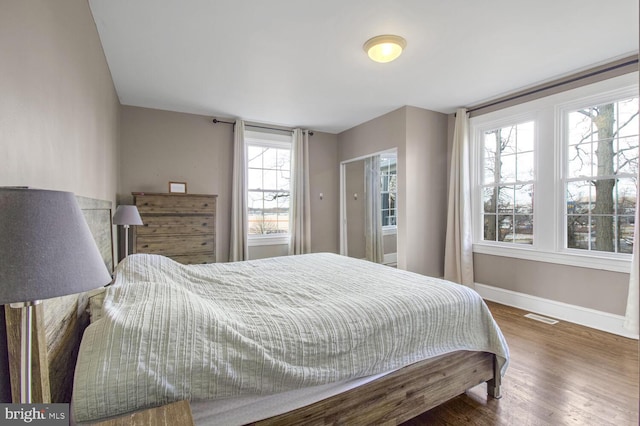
46, 250
127, 215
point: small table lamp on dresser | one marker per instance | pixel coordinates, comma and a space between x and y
46, 251
127, 215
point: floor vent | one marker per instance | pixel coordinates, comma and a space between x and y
542, 319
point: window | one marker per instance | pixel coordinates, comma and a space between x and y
554, 179
601, 176
388, 189
268, 184
508, 183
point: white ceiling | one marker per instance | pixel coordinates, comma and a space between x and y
301, 63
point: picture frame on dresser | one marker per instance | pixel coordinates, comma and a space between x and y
177, 187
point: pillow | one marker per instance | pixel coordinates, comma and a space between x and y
96, 299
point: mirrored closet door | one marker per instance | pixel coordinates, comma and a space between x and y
369, 208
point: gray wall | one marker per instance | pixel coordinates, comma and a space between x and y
420, 137
161, 146
591, 288
60, 123
355, 209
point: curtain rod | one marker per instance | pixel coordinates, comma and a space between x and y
554, 85
216, 121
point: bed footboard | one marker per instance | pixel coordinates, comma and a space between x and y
401, 395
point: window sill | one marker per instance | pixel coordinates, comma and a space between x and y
389, 230
268, 240
614, 263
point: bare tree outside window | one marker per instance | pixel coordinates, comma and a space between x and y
508, 184
601, 183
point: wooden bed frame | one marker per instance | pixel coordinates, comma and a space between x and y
391, 399
401, 395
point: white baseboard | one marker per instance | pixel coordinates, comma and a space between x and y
390, 258
572, 313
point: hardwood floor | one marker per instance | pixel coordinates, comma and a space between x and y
561, 374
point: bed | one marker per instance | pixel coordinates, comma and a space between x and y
298, 339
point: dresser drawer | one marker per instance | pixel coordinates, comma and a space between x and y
194, 259
175, 245
172, 225
182, 204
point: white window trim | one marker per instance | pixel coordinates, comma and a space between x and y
477, 175
272, 140
550, 250
268, 240
561, 139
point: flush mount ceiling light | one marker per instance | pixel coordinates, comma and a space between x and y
384, 48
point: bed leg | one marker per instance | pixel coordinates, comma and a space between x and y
493, 390
493, 385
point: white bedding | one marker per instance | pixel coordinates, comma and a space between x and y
198, 332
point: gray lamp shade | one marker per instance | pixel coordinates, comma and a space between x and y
127, 215
46, 247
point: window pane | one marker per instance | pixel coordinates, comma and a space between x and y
627, 121
508, 164
490, 227
524, 199
270, 179
524, 229
505, 199
385, 183
578, 232
626, 197
385, 201
508, 168
580, 162
270, 160
489, 157
254, 177
505, 228
625, 234
489, 199
602, 200
603, 233
525, 166
627, 155
507, 140
580, 128
254, 156
578, 200
525, 137
283, 159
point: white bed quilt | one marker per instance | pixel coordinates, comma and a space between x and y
173, 332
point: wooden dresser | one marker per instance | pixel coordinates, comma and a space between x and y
179, 226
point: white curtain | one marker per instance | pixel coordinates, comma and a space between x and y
458, 256
631, 317
238, 248
300, 207
374, 249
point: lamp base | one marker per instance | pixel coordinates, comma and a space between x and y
25, 348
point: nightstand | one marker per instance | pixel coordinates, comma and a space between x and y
176, 413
